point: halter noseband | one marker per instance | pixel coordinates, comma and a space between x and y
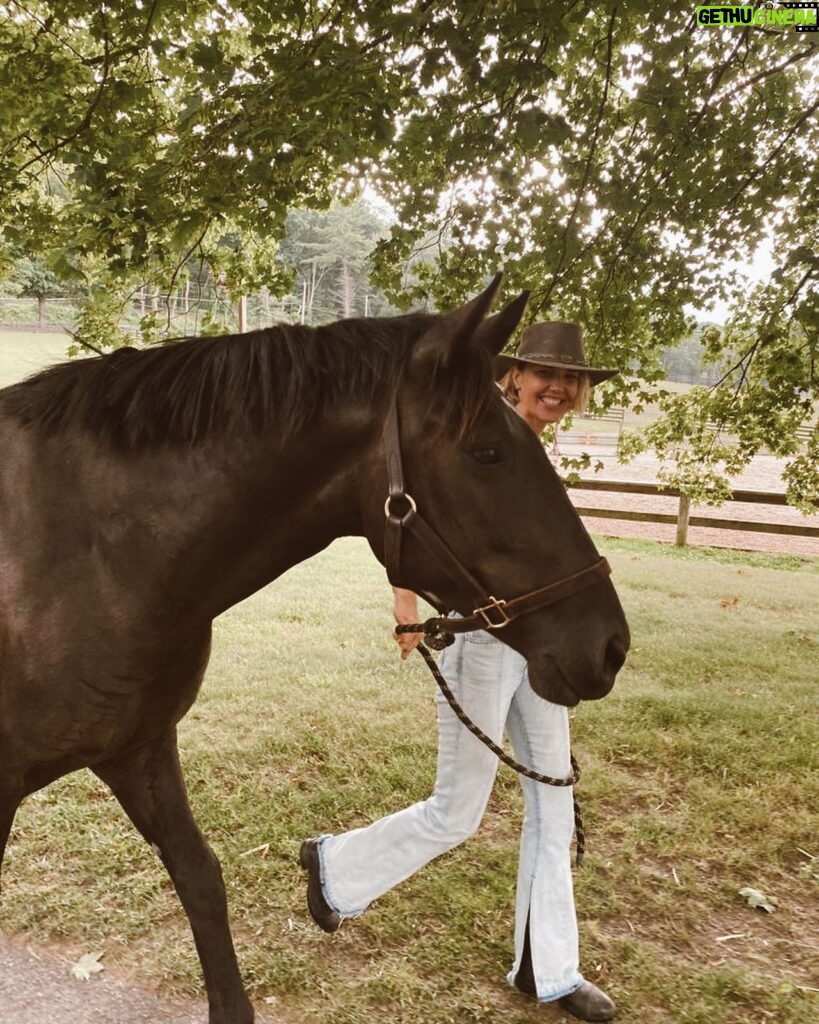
489, 612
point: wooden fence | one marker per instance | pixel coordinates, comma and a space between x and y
607, 442
683, 519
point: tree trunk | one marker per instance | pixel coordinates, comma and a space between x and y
345, 288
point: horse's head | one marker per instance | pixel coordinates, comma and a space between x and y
488, 515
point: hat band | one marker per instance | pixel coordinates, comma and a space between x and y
554, 357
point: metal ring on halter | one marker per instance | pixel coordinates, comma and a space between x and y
413, 508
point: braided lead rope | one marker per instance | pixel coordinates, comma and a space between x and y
499, 752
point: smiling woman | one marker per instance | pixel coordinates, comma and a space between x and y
548, 376
545, 394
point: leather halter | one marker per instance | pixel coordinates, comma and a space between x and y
489, 612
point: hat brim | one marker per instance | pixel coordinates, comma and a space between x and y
595, 374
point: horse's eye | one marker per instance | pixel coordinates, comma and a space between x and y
487, 454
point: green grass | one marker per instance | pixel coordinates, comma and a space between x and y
700, 776
23, 353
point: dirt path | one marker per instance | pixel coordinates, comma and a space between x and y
39, 988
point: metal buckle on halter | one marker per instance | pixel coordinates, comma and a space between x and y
495, 605
410, 512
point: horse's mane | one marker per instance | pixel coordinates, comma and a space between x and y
184, 391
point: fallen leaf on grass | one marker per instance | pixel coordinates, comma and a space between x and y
86, 966
758, 900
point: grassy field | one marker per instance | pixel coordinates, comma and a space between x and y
25, 352
700, 777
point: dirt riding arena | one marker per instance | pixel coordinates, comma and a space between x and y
764, 474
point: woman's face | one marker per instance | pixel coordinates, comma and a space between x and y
545, 393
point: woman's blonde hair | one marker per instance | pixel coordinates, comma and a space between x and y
510, 392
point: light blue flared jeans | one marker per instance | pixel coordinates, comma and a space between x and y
491, 683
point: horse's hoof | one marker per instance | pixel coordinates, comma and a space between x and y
320, 910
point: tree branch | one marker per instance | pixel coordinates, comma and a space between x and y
589, 156
85, 124
184, 259
717, 77
803, 117
84, 344
762, 75
809, 273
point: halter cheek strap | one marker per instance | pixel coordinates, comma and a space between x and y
401, 512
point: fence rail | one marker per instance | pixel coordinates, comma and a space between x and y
614, 414
683, 519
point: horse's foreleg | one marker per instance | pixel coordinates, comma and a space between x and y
9, 802
149, 785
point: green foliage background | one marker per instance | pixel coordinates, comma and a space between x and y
613, 157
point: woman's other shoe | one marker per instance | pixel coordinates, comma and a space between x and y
320, 910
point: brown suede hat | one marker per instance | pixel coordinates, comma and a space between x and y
552, 343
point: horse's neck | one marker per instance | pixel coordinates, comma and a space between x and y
229, 516
295, 502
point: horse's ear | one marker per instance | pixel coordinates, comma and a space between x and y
453, 335
495, 331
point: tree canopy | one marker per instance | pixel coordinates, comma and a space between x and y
615, 158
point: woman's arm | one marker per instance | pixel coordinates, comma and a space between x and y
405, 610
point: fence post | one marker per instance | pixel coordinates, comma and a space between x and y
682, 521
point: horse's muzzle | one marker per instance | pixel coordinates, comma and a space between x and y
568, 684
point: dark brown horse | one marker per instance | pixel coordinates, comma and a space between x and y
144, 492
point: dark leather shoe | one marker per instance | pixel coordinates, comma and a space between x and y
588, 1003
322, 913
